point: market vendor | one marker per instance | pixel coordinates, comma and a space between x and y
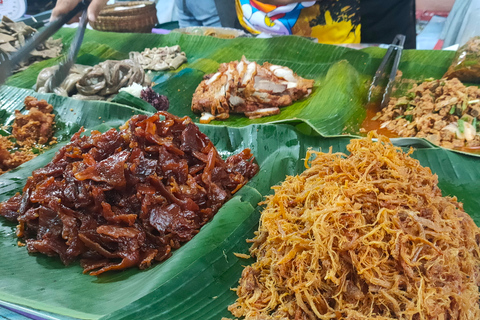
331, 21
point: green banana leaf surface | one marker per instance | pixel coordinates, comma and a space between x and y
196, 282
342, 75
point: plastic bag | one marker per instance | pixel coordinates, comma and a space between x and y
466, 64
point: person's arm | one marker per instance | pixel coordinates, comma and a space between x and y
65, 6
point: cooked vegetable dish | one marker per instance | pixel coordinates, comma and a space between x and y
363, 236
126, 198
445, 112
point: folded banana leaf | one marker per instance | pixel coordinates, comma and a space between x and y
70, 116
341, 74
195, 282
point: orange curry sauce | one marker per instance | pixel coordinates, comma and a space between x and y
368, 125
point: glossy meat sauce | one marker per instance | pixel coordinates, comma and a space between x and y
126, 198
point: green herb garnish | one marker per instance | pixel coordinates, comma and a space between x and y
461, 125
452, 110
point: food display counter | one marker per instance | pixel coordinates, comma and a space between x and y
187, 176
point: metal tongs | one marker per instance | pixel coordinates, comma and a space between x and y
8, 62
397, 47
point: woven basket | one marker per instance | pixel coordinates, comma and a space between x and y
132, 16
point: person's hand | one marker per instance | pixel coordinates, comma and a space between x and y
65, 6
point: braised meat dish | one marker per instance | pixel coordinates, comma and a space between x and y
249, 88
126, 197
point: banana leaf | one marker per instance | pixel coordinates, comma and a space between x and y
341, 74
70, 116
195, 282
90, 54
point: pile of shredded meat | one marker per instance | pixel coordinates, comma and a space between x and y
445, 112
166, 58
126, 198
31, 131
363, 236
13, 36
249, 88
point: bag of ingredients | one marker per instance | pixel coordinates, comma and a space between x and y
466, 64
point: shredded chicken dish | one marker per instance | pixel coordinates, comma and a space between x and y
126, 198
363, 236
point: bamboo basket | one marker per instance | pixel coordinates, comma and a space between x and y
130, 16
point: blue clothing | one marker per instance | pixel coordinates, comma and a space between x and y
195, 13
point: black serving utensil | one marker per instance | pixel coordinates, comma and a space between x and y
8, 62
395, 48
64, 67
